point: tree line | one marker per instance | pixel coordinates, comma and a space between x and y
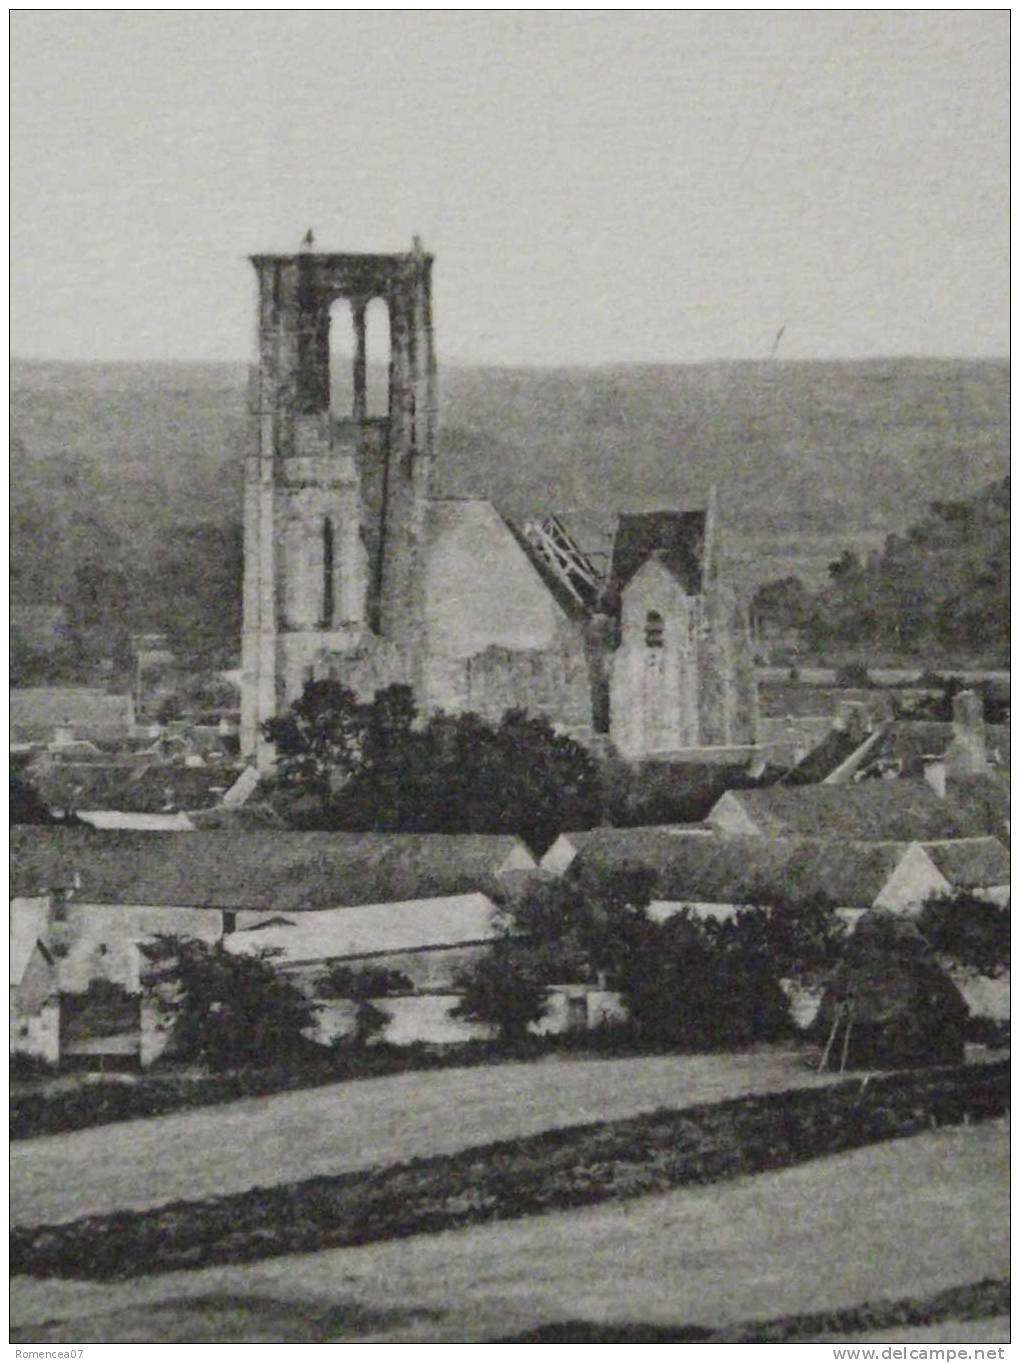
941, 587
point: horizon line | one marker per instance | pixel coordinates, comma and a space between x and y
461, 363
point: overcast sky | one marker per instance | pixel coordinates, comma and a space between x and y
596, 186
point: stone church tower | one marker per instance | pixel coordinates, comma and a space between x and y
334, 507
353, 571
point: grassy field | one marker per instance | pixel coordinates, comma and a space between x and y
904, 1219
290, 1136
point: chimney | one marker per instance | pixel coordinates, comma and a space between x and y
967, 755
853, 717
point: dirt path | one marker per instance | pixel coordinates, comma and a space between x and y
260, 1141
907, 1218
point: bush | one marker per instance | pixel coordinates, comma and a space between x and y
853, 675
505, 989
969, 930
347, 765
227, 1010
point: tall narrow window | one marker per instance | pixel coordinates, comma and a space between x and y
377, 344
327, 571
654, 630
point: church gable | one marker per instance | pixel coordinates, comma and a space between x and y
481, 588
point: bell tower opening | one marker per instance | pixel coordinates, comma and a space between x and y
377, 359
328, 590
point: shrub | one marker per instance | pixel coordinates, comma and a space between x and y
505, 989
969, 930
228, 1010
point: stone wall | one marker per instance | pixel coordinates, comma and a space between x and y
654, 689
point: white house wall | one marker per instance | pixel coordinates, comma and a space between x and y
915, 879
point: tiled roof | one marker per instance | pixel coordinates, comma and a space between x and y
371, 929
37, 710
825, 758
677, 538
971, 863
985, 800
271, 871
153, 788
650, 844
910, 742
717, 869
869, 811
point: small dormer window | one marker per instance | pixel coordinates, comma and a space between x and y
654, 630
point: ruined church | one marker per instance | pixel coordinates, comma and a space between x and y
354, 570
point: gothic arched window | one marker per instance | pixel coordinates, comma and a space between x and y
327, 572
654, 630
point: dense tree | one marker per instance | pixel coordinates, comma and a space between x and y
969, 930
345, 764
504, 989
227, 1010
941, 587
782, 604
26, 804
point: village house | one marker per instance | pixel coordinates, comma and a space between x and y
867, 811
92, 899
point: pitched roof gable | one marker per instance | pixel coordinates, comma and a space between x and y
29, 924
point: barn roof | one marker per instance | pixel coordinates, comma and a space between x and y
868, 811
971, 863
718, 869
373, 929
260, 870
676, 538
648, 844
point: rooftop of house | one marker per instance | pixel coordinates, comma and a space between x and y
267, 870
676, 538
619, 843
985, 797
719, 869
372, 929
971, 863
828, 756
139, 788
868, 811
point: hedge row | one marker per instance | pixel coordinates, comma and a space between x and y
97, 1102
570, 1167
972, 1301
